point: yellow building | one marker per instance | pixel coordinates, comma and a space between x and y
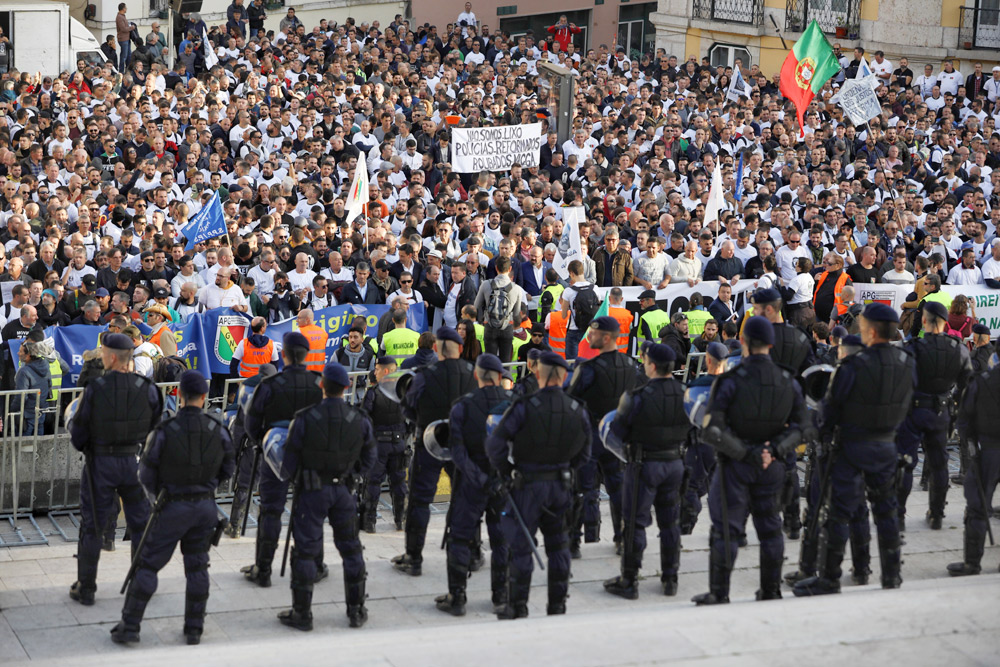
924, 31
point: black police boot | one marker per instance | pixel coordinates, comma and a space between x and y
792, 524
398, 505
718, 586
574, 548
670, 561
890, 556
626, 585
828, 566
241, 500
354, 595
260, 572
498, 584
127, 630
454, 602
368, 522
807, 560
518, 586
109, 541
972, 561
300, 615
408, 564
322, 571
770, 577
861, 558
83, 593
125, 634
194, 618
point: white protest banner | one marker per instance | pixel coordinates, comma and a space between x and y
7, 288
858, 100
475, 149
569, 242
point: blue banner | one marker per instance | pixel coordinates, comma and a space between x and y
207, 341
207, 223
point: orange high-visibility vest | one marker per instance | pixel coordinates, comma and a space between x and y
837, 290
558, 322
625, 319
154, 337
316, 359
254, 357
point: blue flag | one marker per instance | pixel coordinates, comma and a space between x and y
206, 224
738, 195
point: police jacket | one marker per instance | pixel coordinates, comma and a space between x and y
792, 349
978, 417
757, 400
386, 415
547, 430
869, 395
435, 388
117, 411
653, 416
942, 362
189, 453
279, 397
467, 433
332, 439
601, 381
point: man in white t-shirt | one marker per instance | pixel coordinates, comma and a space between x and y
469, 17
566, 299
786, 255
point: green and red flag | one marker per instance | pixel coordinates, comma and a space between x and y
808, 67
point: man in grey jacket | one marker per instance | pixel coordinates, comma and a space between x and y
498, 313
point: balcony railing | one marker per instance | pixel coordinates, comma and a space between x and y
830, 14
979, 28
749, 12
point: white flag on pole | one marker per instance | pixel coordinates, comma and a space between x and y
738, 87
211, 60
357, 197
716, 202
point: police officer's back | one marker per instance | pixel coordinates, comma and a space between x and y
546, 435
115, 414
184, 461
390, 433
433, 390
328, 444
244, 454
276, 400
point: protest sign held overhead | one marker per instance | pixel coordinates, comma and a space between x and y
495, 148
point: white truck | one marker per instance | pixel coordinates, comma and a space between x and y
46, 38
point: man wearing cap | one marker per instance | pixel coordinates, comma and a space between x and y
867, 401
277, 399
157, 316
433, 390
115, 414
600, 383
185, 457
390, 433
699, 458
652, 425
537, 445
471, 495
982, 348
652, 318
793, 352
329, 444
754, 417
979, 427
943, 367
253, 351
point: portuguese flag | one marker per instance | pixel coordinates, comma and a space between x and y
809, 65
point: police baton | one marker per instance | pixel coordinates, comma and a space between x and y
726, 538
291, 521
161, 499
822, 503
635, 466
524, 528
253, 478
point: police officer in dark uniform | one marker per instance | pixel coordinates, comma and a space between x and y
652, 423
942, 365
600, 383
979, 425
430, 397
537, 445
328, 444
471, 496
277, 399
868, 399
754, 417
390, 433
115, 414
981, 354
245, 455
185, 459
792, 351
699, 458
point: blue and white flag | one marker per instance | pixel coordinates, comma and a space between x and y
738, 87
207, 223
738, 189
864, 71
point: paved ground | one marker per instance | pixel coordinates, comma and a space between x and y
934, 619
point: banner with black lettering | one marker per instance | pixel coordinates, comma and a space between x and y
476, 149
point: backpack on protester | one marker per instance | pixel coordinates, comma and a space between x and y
585, 306
498, 306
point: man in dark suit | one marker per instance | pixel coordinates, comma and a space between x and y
532, 278
722, 308
362, 291
407, 262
